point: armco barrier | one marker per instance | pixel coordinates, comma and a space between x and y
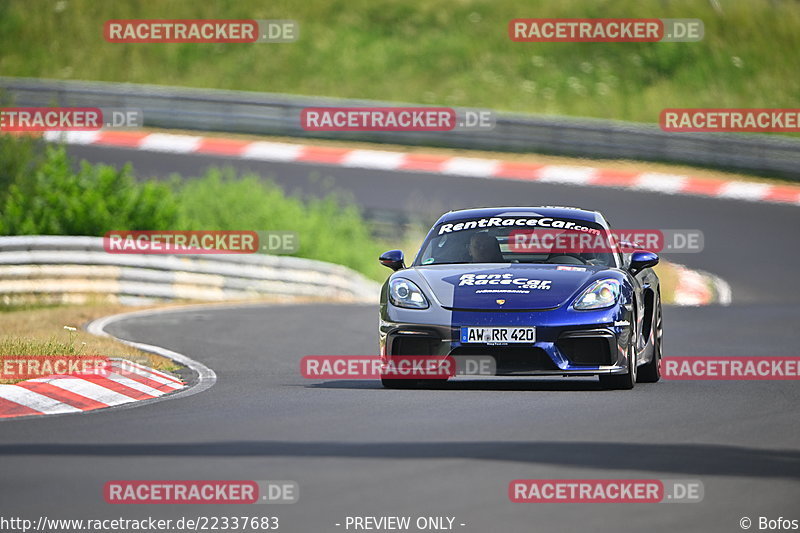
64, 265
275, 114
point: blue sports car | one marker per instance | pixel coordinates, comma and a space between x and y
478, 288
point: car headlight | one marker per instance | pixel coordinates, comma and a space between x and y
404, 293
600, 294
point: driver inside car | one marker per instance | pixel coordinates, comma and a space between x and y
483, 248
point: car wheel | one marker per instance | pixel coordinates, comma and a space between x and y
651, 372
628, 380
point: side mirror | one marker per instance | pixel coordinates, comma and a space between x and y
641, 260
392, 259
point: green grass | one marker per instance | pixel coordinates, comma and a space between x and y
24, 303
51, 346
329, 229
441, 52
56, 331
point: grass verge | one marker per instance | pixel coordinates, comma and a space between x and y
432, 52
41, 331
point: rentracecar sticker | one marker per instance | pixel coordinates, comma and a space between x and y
496, 222
503, 279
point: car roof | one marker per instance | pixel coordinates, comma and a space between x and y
574, 213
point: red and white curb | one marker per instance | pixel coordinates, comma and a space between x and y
697, 287
127, 382
135, 385
437, 164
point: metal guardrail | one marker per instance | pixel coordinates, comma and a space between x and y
276, 114
64, 266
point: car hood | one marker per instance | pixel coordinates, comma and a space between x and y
512, 287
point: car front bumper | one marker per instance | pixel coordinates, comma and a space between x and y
570, 344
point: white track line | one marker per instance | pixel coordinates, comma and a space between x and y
374, 159
664, 183
206, 377
567, 174
268, 151
469, 166
165, 142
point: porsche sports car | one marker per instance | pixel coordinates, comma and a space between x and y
474, 290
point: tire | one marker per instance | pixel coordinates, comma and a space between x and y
389, 383
624, 381
399, 383
627, 380
651, 372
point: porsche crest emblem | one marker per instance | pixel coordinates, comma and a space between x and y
500, 302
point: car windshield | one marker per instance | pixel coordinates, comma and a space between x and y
518, 240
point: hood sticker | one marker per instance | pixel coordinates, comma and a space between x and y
503, 279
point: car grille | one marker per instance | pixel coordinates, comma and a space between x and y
590, 351
412, 345
511, 359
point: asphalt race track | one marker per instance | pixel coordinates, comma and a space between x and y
358, 450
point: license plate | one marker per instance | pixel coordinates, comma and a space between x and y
481, 335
